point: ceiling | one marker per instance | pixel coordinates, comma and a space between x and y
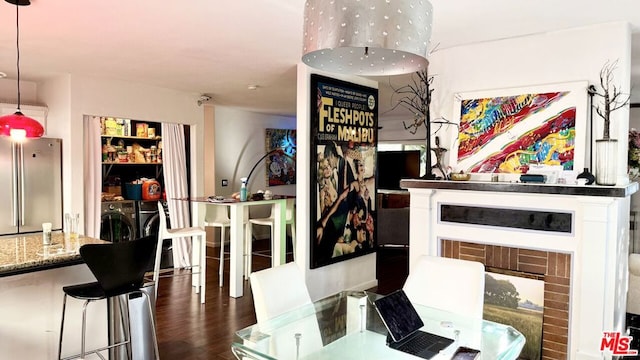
220, 47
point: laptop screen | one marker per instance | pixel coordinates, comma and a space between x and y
398, 315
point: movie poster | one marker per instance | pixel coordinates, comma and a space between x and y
281, 161
344, 130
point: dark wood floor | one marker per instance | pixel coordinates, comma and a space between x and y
188, 330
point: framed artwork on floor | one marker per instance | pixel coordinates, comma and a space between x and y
344, 131
537, 129
516, 299
281, 162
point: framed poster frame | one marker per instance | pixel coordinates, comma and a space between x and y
344, 133
540, 129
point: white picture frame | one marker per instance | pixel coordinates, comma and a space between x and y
494, 126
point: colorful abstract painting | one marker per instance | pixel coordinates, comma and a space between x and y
281, 162
510, 133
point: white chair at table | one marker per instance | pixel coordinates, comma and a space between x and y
278, 290
198, 237
270, 221
449, 284
217, 216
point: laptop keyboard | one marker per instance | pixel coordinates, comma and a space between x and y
424, 343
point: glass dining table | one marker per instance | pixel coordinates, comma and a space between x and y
347, 326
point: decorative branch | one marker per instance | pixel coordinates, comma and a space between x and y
416, 97
612, 97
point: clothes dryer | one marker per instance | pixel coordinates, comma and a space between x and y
118, 221
148, 217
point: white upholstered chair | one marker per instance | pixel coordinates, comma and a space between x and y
277, 290
280, 289
269, 221
217, 216
449, 284
199, 251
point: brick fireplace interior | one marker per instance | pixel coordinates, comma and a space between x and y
556, 269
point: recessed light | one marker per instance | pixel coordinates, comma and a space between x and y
2, 75
252, 87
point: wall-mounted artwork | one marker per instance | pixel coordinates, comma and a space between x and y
281, 163
512, 131
344, 131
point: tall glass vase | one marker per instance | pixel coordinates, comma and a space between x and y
606, 161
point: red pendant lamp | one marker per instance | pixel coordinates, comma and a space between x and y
17, 125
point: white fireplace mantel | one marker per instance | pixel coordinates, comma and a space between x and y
598, 242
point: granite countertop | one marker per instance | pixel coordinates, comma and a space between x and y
26, 253
530, 188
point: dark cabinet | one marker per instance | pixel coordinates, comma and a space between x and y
393, 199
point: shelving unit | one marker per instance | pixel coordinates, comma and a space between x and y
131, 149
129, 141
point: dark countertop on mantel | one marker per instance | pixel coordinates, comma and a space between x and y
526, 188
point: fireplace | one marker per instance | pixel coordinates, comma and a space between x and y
555, 267
577, 237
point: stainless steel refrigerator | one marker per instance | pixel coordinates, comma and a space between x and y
30, 185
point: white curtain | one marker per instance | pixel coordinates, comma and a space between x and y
175, 183
92, 176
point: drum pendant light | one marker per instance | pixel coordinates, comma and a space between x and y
17, 125
369, 38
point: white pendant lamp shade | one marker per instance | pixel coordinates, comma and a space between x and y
367, 37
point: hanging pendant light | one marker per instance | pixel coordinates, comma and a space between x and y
17, 125
369, 38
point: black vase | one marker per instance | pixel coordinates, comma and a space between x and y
585, 174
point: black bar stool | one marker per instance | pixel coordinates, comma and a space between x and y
119, 269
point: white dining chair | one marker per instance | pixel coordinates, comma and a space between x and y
199, 251
270, 221
449, 284
218, 216
277, 290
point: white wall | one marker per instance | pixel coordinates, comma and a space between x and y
357, 273
9, 92
575, 54
71, 97
240, 143
393, 130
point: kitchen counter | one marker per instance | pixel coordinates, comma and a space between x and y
26, 253
31, 280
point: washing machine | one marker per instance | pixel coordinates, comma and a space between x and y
148, 225
148, 217
118, 221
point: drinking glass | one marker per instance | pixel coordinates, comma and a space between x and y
71, 222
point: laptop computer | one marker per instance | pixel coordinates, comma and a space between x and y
403, 323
